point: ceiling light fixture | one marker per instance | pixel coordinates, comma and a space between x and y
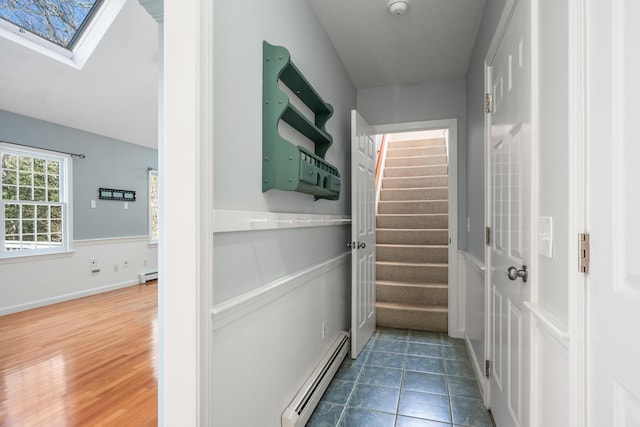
398, 7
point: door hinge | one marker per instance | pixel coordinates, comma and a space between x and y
584, 252
487, 235
487, 368
488, 103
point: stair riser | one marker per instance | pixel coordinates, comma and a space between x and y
433, 142
412, 254
412, 273
439, 172
411, 194
395, 162
412, 237
412, 295
409, 221
435, 207
407, 319
415, 182
417, 151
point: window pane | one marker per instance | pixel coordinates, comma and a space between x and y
43, 212
56, 238
9, 177
53, 167
40, 165
12, 226
25, 164
25, 193
39, 194
56, 226
25, 179
9, 193
39, 180
56, 211
54, 195
43, 226
28, 211
9, 161
11, 211
42, 237
28, 227
28, 238
54, 182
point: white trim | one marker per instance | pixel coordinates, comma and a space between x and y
233, 309
577, 212
66, 297
230, 221
451, 125
151, 173
473, 260
477, 367
549, 322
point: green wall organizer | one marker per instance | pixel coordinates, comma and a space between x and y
284, 165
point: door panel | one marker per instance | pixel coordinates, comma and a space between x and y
363, 234
510, 156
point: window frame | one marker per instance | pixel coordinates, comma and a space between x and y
151, 173
65, 199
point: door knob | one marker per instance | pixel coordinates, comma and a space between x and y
513, 273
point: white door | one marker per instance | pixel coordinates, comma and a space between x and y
363, 233
510, 207
613, 282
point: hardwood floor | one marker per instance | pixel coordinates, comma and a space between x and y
87, 362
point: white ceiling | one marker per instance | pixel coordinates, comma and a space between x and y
432, 40
115, 94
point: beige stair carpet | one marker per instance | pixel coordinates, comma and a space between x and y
412, 237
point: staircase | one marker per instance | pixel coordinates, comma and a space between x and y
412, 235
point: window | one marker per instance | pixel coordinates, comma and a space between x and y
34, 202
154, 225
59, 21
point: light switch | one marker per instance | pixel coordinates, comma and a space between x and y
126, 205
545, 236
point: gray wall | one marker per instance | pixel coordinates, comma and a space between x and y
109, 163
244, 261
431, 100
475, 128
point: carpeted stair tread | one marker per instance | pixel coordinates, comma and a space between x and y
416, 161
413, 206
431, 142
395, 315
434, 171
412, 236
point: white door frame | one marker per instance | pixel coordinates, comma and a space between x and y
456, 298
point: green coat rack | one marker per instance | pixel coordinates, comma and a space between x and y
284, 165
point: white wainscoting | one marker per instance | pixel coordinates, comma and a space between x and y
551, 397
30, 282
267, 342
472, 293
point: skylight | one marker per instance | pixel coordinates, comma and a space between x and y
59, 21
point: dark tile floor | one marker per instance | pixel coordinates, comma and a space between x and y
404, 379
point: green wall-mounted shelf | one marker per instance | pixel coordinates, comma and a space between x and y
284, 165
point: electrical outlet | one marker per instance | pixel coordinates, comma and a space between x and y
324, 329
125, 263
93, 265
146, 262
115, 267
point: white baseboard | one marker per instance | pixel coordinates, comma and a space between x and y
66, 297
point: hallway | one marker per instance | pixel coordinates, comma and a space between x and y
404, 378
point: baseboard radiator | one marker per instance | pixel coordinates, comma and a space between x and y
145, 277
302, 406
